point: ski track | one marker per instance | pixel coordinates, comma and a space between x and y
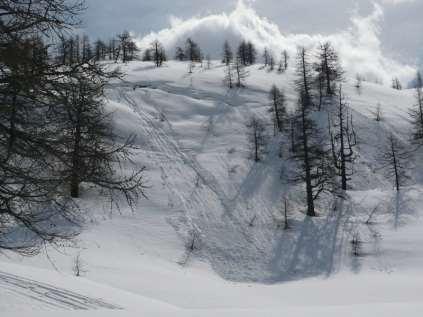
209, 212
207, 208
50, 295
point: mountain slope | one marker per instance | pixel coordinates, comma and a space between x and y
206, 192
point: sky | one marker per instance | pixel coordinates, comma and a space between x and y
401, 26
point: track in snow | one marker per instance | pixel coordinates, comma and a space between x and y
50, 295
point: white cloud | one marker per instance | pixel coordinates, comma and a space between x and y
397, 1
359, 46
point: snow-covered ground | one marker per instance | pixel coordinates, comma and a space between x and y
204, 188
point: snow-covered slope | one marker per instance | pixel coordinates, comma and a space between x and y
204, 188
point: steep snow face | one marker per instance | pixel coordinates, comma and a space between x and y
359, 46
197, 127
212, 212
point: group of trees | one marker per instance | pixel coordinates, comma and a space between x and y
395, 154
246, 55
324, 158
325, 152
55, 133
77, 49
155, 53
191, 52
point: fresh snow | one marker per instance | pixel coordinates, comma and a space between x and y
192, 138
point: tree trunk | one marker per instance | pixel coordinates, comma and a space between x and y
328, 81
75, 179
309, 188
256, 144
341, 135
395, 163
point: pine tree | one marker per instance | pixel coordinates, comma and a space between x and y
89, 151
192, 51
209, 62
266, 57
315, 168
242, 53
227, 54
180, 54
240, 73
394, 161
257, 138
127, 47
285, 58
30, 198
396, 84
416, 113
36, 92
343, 141
329, 67
251, 53
158, 52
229, 75
278, 108
146, 57
271, 61
100, 50
86, 53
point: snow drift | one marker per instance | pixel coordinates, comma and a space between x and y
359, 46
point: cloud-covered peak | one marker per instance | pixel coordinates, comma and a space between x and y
359, 46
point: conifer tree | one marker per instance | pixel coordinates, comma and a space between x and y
158, 53
308, 149
256, 134
416, 113
329, 67
394, 160
192, 51
343, 141
227, 54
278, 108
251, 53
240, 73
180, 54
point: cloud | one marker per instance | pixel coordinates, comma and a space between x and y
397, 1
359, 46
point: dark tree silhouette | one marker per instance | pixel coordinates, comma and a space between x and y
240, 73
228, 55
158, 53
416, 113
39, 96
30, 201
127, 47
90, 152
147, 55
251, 53
396, 84
242, 53
394, 160
308, 149
329, 67
343, 140
192, 51
278, 108
180, 54
257, 138
229, 75
266, 57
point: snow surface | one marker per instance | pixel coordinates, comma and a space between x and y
192, 138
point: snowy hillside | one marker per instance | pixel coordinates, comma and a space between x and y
208, 240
